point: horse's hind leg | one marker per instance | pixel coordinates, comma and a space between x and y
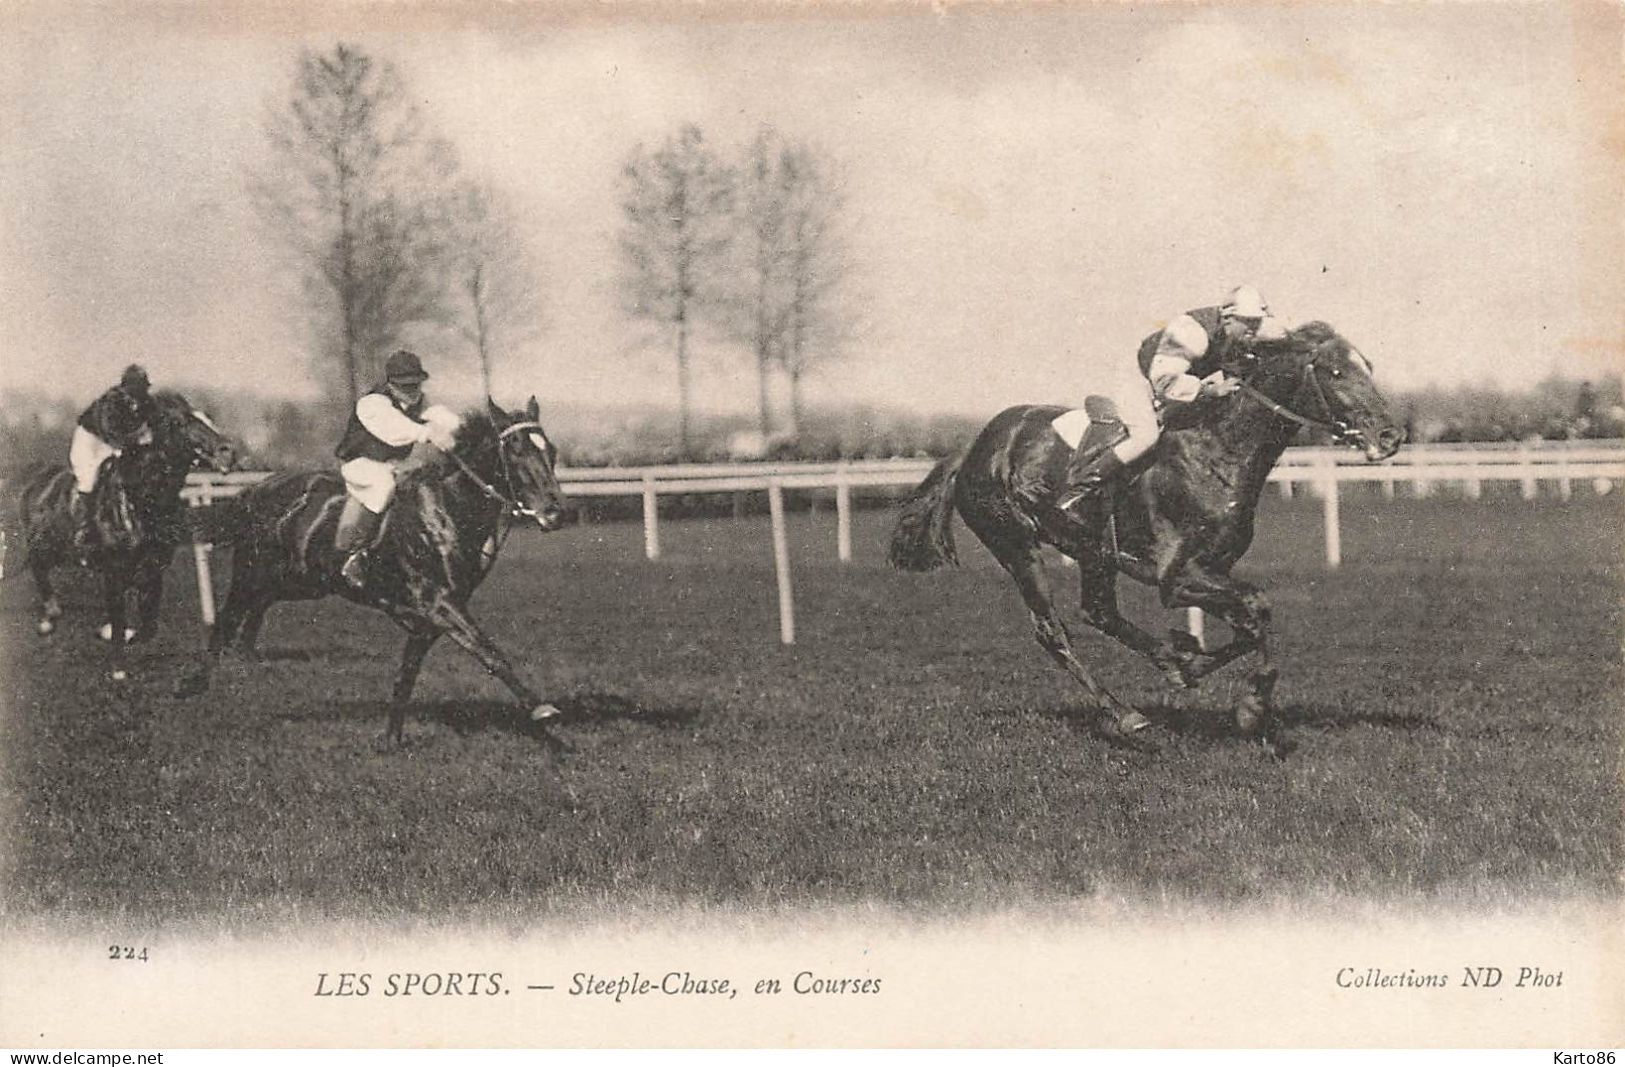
1026, 566
1098, 598
238, 621
50, 607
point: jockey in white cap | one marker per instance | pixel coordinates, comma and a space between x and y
385, 425
114, 421
1179, 364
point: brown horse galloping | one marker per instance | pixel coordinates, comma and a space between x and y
138, 517
1179, 525
438, 542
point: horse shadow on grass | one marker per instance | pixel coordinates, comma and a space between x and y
1214, 725
467, 717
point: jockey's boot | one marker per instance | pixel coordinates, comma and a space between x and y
1087, 480
358, 524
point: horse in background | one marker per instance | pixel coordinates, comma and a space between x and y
438, 541
137, 515
1178, 525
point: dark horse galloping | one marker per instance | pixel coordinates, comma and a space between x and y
137, 513
438, 542
1180, 525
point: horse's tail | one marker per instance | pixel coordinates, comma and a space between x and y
923, 539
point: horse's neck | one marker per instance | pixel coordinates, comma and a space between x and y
163, 485
470, 504
1253, 438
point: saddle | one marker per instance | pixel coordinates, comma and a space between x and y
1094, 427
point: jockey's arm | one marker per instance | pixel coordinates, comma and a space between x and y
384, 422
1183, 342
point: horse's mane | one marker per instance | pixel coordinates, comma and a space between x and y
1300, 340
476, 431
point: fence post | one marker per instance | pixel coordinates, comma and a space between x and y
1329, 505
651, 517
205, 582
843, 516
1525, 461
781, 564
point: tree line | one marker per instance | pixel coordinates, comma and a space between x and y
393, 243
754, 247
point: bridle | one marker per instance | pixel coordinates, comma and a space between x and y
1339, 430
512, 508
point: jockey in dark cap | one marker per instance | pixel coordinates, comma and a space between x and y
119, 418
385, 425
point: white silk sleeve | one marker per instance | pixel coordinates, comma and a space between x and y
387, 424
1183, 341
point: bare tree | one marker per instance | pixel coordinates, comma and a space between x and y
495, 276
356, 188
821, 314
674, 245
759, 302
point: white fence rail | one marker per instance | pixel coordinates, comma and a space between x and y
1323, 470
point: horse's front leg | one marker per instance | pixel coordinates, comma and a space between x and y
1245, 607
1097, 574
115, 588
456, 624
149, 588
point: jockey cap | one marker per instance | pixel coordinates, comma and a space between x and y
1245, 302
134, 381
404, 367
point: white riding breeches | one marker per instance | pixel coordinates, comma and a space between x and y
370, 481
1139, 414
86, 455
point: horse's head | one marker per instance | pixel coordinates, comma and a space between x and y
186, 434
519, 460
1313, 377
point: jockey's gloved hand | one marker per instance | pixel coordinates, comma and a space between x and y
440, 436
1219, 384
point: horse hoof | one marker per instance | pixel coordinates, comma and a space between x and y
121, 675
543, 712
106, 633
1132, 723
1249, 719
53, 610
46, 627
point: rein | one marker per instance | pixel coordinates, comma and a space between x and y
1336, 427
511, 507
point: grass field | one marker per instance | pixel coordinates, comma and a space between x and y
1453, 693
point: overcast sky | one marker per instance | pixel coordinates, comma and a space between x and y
1032, 189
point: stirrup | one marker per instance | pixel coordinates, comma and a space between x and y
354, 570
1072, 496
